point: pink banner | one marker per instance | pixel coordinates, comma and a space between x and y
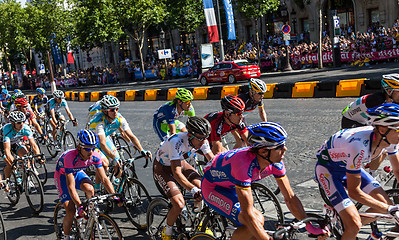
349, 56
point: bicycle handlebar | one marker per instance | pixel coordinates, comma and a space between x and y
100, 198
29, 156
285, 228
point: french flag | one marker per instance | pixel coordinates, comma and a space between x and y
210, 18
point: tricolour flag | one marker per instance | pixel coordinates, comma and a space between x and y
210, 18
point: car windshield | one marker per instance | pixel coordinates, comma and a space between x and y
241, 64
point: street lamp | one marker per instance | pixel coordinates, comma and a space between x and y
284, 14
162, 36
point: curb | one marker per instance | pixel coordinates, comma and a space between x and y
315, 89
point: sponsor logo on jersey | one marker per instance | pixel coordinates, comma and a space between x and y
325, 183
346, 202
354, 139
335, 155
354, 111
218, 174
366, 143
221, 203
357, 161
279, 165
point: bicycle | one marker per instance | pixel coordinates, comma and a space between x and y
64, 139
24, 179
3, 231
97, 226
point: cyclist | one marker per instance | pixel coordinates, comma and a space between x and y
5, 98
105, 123
69, 176
39, 102
22, 105
228, 180
54, 105
170, 168
223, 122
355, 114
95, 108
339, 166
165, 121
15, 134
254, 98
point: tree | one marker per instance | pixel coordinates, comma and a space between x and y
255, 9
136, 16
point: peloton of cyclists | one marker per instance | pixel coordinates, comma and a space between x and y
39, 102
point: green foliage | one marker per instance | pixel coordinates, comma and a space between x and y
185, 15
254, 9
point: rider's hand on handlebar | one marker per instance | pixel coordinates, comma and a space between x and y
147, 154
74, 122
196, 192
119, 201
317, 231
81, 211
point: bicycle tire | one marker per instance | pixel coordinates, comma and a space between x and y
51, 148
35, 190
267, 203
42, 170
137, 201
119, 140
202, 236
156, 217
106, 222
68, 141
58, 218
215, 223
14, 193
3, 231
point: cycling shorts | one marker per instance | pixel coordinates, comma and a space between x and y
162, 129
223, 200
348, 123
62, 186
164, 177
16, 146
334, 185
57, 115
111, 146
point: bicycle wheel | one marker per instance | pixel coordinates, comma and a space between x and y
68, 141
106, 228
3, 231
41, 168
59, 214
202, 236
271, 183
122, 143
125, 155
215, 224
51, 148
266, 202
137, 202
384, 226
156, 217
34, 192
15, 192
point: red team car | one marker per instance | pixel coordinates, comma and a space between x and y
230, 71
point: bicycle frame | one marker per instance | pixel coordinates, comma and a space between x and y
382, 216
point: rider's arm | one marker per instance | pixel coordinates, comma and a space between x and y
179, 176
262, 113
293, 203
133, 139
248, 215
356, 193
52, 113
172, 128
7, 149
217, 147
35, 148
103, 144
70, 180
37, 126
69, 113
105, 180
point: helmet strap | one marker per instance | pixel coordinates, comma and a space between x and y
383, 137
190, 139
267, 158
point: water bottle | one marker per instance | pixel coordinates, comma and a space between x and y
375, 234
116, 182
184, 215
18, 177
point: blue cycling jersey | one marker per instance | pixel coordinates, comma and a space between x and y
167, 113
101, 126
39, 102
57, 107
12, 136
4, 99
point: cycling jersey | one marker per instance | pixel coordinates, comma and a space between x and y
39, 102
176, 147
93, 109
250, 104
57, 107
167, 114
346, 152
5, 99
12, 136
227, 171
101, 126
355, 112
70, 162
220, 127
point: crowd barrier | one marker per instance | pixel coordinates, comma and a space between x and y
311, 89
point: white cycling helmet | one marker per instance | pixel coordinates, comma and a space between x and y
109, 102
257, 85
58, 94
17, 116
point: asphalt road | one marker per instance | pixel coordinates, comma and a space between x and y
309, 122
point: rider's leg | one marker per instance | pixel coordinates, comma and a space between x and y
54, 129
178, 204
68, 219
352, 222
87, 187
243, 232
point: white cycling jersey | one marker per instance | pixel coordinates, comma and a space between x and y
176, 147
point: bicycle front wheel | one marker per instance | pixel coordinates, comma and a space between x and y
266, 202
34, 192
106, 228
202, 236
59, 214
68, 142
14, 192
216, 225
41, 169
137, 202
156, 217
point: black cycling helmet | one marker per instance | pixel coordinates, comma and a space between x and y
198, 126
233, 104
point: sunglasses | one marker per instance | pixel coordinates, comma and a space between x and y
238, 114
200, 138
113, 110
19, 122
188, 102
394, 128
88, 149
259, 93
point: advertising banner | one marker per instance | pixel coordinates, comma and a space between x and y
231, 29
207, 55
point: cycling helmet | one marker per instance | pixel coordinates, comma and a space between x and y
19, 95
184, 95
109, 102
198, 126
233, 104
17, 91
41, 90
87, 138
390, 82
257, 85
58, 94
17, 116
386, 114
4, 91
21, 102
266, 134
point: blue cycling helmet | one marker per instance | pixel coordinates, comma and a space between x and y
41, 90
4, 91
267, 135
386, 114
17, 92
87, 138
